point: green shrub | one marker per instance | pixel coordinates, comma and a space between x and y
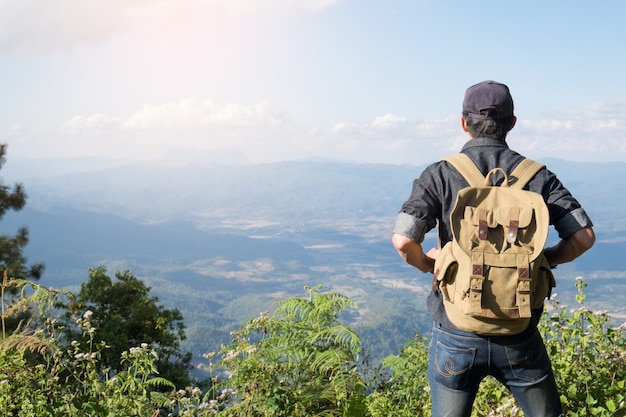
45, 375
299, 361
406, 392
588, 356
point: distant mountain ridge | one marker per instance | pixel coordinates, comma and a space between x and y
301, 190
296, 190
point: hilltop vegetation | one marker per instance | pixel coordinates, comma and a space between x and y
299, 361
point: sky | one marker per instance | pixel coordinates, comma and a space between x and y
367, 81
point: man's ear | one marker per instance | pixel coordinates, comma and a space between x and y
464, 124
513, 122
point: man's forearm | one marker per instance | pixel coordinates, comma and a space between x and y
412, 253
571, 248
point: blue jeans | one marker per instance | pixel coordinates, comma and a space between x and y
458, 361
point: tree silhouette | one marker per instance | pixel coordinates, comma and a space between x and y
11, 257
12, 260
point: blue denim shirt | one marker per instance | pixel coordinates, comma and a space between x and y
434, 194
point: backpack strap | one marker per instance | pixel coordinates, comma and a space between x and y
523, 173
467, 168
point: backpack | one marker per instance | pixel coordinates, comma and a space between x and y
493, 272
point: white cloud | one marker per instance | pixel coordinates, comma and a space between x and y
388, 121
343, 128
155, 129
592, 133
391, 139
14, 128
44, 24
186, 114
190, 113
94, 121
266, 135
40, 24
279, 6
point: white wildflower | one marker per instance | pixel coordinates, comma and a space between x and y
230, 355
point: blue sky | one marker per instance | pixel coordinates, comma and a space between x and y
357, 80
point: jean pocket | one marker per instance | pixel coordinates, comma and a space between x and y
453, 365
528, 361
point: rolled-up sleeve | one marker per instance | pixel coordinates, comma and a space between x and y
420, 212
411, 227
566, 213
572, 222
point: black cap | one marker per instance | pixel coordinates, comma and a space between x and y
485, 96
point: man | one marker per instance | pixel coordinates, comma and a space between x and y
459, 360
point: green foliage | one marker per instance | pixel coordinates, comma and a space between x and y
494, 400
405, 393
588, 357
300, 361
40, 375
124, 315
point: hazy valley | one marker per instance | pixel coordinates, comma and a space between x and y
222, 242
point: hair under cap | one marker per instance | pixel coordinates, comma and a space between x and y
485, 96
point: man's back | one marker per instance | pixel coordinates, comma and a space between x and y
459, 360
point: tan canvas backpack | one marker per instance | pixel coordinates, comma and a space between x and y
493, 272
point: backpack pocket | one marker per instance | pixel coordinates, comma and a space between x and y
496, 231
446, 267
543, 282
